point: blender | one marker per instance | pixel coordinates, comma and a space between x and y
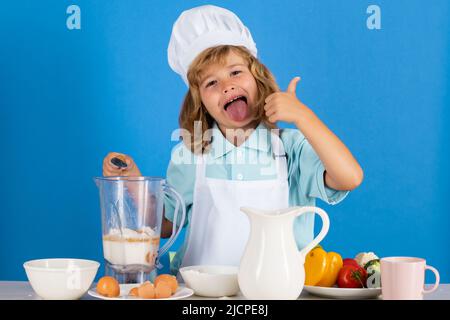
132, 213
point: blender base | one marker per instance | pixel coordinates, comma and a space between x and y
130, 273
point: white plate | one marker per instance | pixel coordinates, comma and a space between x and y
343, 293
182, 292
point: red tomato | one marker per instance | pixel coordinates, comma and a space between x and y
350, 261
352, 277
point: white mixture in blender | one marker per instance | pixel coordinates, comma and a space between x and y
131, 247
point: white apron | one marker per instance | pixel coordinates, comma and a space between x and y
219, 231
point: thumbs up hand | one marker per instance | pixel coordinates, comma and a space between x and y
285, 106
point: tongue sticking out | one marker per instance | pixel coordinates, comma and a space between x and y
237, 110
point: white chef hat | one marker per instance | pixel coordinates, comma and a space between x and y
203, 27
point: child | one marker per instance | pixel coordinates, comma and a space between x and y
230, 155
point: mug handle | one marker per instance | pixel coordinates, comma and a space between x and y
179, 204
436, 284
323, 232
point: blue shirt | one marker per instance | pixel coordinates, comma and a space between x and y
253, 160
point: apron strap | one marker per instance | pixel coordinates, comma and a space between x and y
279, 154
277, 144
200, 172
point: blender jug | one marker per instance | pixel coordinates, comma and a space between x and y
132, 213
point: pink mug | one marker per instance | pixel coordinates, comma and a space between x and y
403, 278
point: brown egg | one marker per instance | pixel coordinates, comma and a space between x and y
108, 287
146, 290
163, 290
134, 292
170, 279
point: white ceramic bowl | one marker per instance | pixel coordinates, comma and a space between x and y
61, 279
211, 281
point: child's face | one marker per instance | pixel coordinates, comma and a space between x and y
221, 84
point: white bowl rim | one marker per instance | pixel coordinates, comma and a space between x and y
27, 265
204, 273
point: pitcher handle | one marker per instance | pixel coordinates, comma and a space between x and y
323, 232
179, 203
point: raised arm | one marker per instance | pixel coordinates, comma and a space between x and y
342, 170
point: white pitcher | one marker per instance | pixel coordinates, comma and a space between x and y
272, 267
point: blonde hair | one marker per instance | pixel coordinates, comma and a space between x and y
193, 110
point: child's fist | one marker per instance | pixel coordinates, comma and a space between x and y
125, 166
284, 106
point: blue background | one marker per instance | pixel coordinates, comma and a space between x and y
68, 97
